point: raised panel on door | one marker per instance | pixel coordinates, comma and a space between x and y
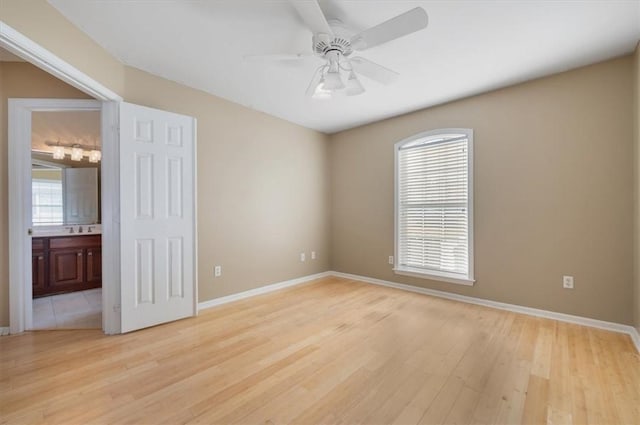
94, 265
157, 157
66, 268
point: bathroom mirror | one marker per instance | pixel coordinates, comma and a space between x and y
65, 176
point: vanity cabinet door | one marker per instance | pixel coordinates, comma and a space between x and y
66, 267
94, 265
38, 272
39, 265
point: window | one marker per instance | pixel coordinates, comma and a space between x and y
46, 201
434, 206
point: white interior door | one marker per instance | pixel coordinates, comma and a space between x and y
157, 212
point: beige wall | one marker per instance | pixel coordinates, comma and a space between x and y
553, 192
636, 127
19, 80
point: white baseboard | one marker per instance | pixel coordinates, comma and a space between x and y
4, 331
262, 290
585, 321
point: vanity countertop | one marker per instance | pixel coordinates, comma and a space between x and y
75, 230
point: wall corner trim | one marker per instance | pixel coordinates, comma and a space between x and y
261, 290
568, 318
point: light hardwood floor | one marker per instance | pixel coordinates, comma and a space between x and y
333, 351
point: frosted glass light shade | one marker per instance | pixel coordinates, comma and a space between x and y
332, 81
58, 152
320, 92
354, 87
76, 154
95, 156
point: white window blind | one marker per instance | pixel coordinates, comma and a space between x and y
46, 201
433, 205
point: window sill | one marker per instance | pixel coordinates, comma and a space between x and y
449, 278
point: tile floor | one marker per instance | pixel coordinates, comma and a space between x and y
75, 310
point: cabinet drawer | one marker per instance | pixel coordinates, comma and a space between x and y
92, 241
37, 244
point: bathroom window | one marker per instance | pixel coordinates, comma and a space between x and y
46, 202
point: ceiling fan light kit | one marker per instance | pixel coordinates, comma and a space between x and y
335, 44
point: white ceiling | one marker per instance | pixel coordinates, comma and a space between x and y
469, 47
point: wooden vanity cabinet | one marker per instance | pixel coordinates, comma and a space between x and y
67, 264
39, 265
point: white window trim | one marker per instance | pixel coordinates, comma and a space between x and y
469, 279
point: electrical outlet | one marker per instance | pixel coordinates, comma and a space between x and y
567, 282
313, 255
303, 257
217, 271
391, 259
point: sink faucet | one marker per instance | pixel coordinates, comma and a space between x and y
90, 229
70, 229
79, 229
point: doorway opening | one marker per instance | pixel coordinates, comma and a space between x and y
55, 213
66, 243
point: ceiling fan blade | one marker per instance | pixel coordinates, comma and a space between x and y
311, 14
373, 71
278, 57
406, 23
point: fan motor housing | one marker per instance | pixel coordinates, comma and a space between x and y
324, 43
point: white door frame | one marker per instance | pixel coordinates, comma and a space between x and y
19, 241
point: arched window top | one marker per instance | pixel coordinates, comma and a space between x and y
434, 136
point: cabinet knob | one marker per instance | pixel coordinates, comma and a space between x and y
90, 254
40, 257
79, 254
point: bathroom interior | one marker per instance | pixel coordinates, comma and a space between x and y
66, 229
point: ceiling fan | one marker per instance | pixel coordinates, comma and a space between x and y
335, 43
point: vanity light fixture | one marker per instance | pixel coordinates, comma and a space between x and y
77, 151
